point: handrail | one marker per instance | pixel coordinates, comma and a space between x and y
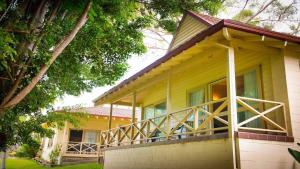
83, 147
261, 114
183, 122
186, 122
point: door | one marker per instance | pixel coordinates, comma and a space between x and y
75, 139
90, 140
247, 86
218, 90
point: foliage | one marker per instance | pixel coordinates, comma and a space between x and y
97, 56
270, 14
55, 154
30, 164
21, 127
28, 150
295, 153
30, 31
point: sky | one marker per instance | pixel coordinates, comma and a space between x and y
137, 63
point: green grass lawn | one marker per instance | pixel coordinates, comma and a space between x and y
30, 164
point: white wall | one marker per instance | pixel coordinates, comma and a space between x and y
292, 68
261, 154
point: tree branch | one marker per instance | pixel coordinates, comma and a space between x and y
56, 52
260, 11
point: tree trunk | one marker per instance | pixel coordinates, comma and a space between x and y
56, 52
3, 160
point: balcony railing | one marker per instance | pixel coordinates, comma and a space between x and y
82, 148
204, 119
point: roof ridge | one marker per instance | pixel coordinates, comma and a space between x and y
206, 19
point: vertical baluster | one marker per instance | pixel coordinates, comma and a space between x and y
196, 119
119, 136
285, 119
80, 149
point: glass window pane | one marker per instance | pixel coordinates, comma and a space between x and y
160, 109
149, 112
90, 136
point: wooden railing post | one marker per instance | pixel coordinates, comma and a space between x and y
80, 150
196, 119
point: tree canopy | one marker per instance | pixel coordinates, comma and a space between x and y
49, 48
93, 40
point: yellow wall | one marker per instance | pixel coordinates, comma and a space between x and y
206, 154
100, 123
202, 70
61, 137
188, 28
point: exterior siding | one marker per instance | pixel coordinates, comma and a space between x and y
202, 70
292, 68
189, 28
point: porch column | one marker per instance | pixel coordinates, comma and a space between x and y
109, 122
110, 116
231, 98
133, 107
133, 116
231, 92
168, 105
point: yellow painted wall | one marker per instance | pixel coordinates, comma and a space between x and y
189, 28
61, 137
209, 154
202, 70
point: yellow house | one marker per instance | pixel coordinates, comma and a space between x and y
226, 95
82, 144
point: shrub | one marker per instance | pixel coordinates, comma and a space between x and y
28, 150
55, 154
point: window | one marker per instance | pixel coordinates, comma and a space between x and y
155, 111
90, 136
247, 86
75, 135
197, 97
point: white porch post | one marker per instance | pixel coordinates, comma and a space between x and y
109, 122
110, 116
231, 98
133, 116
168, 105
133, 107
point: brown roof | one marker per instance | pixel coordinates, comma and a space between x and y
104, 111
214, 27
208, 20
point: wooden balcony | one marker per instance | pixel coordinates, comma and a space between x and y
253, 115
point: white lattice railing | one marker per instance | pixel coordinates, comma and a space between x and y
204, 119
82, 148
190, 121
263, 115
